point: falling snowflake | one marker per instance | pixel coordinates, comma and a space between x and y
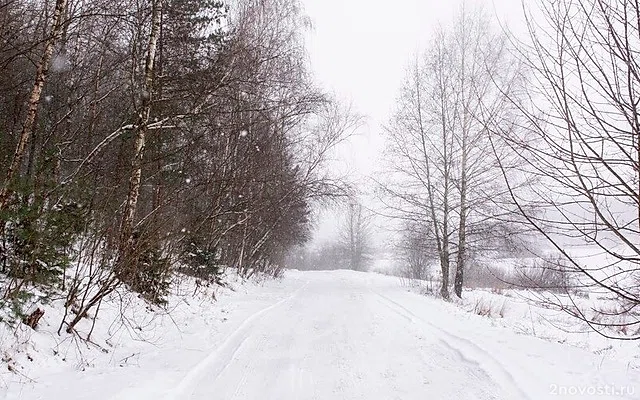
243, 133
60, 63
188, 180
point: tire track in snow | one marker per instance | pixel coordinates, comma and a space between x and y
216, 362
468, 351
246, 369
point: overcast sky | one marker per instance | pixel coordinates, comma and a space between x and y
359, 50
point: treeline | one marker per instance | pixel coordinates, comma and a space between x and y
141, 138
351, 249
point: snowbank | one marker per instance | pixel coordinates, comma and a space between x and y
134, 349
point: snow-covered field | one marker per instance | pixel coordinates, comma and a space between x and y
528, 313
320, 335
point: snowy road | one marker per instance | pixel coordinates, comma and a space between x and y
336, 335
355, 336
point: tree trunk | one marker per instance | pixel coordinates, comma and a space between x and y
445, 255
462, 238
42, 71
462, 227
464, 144
126, 228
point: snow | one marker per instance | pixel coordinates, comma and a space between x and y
140, 355
313, 335
60, 63
526, 313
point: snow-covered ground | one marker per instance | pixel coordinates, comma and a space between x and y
529, 313
139, 355
319, 335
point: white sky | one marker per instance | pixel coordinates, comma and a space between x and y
359, 50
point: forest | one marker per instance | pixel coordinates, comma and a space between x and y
143, 139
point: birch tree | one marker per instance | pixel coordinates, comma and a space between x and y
356, 236
443, 165
41, 73
146, 96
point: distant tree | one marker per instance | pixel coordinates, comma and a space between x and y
355, 236
324, 257
417, 250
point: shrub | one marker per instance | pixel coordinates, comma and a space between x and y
550, 273
152, 276
486, 308
479, 275
201, 262
37, 238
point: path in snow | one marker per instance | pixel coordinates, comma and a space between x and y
338, 339
338, 335
344, 336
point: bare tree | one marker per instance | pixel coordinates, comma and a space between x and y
421, 146
417, 250
355, 236
141, 128
579, 136
444, 166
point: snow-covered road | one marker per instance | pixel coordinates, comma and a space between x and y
336, 335
341, 338
347, 335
